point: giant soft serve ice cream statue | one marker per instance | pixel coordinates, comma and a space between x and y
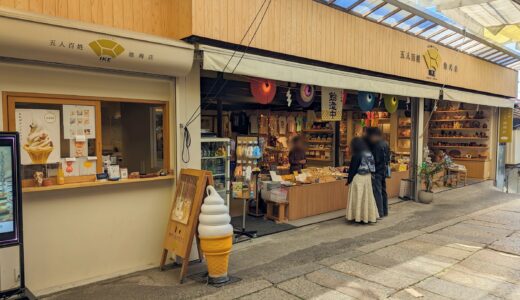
216, 235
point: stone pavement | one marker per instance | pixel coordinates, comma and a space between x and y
466, 245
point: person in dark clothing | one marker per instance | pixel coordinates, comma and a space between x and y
381, 152
297, 155
361, 204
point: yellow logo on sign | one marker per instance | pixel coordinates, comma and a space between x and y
106, 49
432, 58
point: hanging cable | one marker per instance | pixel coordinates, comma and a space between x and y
186, 143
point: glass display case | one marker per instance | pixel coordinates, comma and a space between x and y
216, 158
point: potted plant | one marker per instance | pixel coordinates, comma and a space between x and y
427, 171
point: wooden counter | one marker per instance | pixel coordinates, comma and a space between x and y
314, 199
477, 168
393, 184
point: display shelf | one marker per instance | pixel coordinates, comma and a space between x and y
214, 157
462, 147
94, 184
454, 111
219, 174
458, 138
467, 128
318, 159
319, 149
319, 142
457, 120
471, 159
318, 131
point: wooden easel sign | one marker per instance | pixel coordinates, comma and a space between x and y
184, 217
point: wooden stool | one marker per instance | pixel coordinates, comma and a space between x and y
271, 204
457, 175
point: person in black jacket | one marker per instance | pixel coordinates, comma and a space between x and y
381, 152
361, 204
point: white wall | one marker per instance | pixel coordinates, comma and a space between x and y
76, 236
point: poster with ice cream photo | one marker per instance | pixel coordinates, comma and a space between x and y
39, 135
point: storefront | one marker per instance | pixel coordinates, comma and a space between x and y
415, 123
86, 98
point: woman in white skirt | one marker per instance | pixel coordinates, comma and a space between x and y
361, 205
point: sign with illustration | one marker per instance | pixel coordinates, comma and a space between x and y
79, 120
505, 125
331, 104
431, 61
39, 135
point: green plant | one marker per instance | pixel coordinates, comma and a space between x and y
428, 169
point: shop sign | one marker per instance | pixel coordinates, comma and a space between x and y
505, 130
433, 62
47, 42
331, 104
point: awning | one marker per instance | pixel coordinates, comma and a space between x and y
30, 37
215, 59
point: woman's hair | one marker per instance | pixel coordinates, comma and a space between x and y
358, 145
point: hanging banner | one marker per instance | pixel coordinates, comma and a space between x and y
331, 104
505, 125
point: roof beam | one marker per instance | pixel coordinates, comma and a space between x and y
418, 23
353, 5
403, 20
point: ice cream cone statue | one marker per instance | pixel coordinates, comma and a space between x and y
216, 235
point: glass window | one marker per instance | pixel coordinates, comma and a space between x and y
420, 27
133, 135
73, 140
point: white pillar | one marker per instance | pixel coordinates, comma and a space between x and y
187, 102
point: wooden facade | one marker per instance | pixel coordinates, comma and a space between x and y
302, 28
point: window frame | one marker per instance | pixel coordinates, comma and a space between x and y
10, 99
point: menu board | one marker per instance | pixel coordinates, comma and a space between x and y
79, 120
40, 135
6, 190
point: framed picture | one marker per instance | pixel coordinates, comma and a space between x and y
114, 172
206, 122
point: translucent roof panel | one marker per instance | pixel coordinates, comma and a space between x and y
432, 31
366, 6
396, 18
409, 23
442, 35
421, 27
344, 3
381, 12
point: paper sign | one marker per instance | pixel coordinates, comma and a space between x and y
70, 167
331, 104
505, 129
79, 120
39, 135
87, 165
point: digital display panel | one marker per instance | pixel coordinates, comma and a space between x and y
9, 188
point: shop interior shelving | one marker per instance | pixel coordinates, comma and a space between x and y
320, 143
216, 158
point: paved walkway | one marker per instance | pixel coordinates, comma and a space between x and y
464, 246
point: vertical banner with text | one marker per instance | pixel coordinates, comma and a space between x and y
331, 104
505, 125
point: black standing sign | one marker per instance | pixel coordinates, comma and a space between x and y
11, 229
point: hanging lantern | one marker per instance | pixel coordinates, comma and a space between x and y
366, 101
305, 95
344, 97
263, 90
391, 103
